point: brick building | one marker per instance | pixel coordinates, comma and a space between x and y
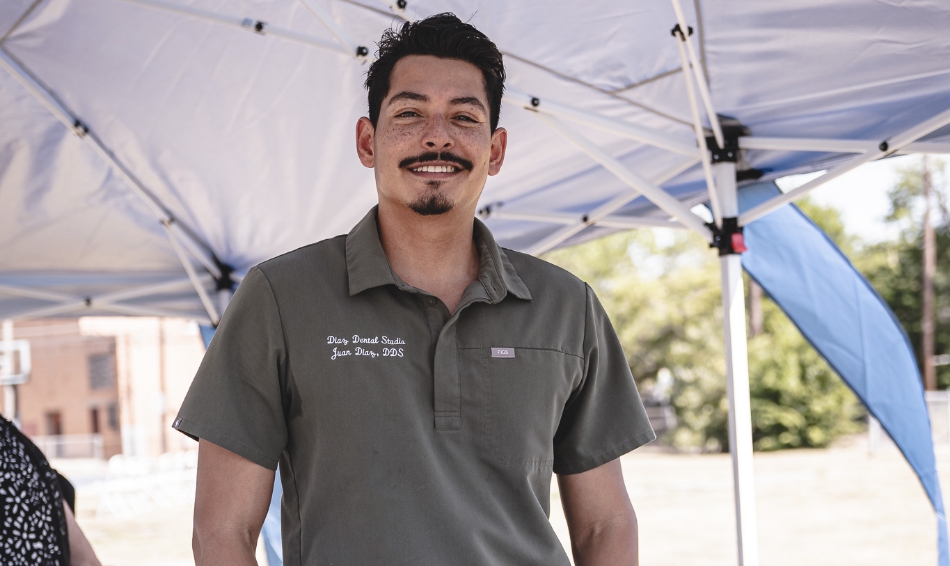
101, 386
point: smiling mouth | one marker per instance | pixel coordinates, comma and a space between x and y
445, 162
434, 169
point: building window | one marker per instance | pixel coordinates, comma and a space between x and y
102, 371
94, 420
54, 423
113, 414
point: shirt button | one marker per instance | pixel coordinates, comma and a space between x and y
431, 301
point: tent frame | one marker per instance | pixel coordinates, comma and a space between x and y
181, 237
654, 193
687, 60
883, 149
721, 191
248, 24
108, 302
737, 378
835, 146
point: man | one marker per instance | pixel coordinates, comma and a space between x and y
417, 383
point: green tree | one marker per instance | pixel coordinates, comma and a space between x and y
797, 399
662, 291
894, 268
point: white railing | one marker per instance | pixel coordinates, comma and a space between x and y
70, 445
938, 405
135, 486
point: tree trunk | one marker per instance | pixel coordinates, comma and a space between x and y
755, 309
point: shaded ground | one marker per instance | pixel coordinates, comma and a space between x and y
837, 506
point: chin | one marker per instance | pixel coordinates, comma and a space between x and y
432, 204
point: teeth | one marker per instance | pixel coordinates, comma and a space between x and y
435, 169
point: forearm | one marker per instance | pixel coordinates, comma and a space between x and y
80, 551
224, 547
600, 518
611, 543
231, 500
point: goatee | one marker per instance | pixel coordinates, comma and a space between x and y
432, 203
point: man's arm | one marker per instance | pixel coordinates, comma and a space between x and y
80, 551
231, 502
600, 518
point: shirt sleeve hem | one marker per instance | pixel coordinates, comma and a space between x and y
196, 431
586, 464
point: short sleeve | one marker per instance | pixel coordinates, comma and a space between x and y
604, 418
235, 400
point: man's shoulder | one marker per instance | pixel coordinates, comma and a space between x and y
539, 274
319, 259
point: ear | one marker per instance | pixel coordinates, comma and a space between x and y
365, 136
499, 142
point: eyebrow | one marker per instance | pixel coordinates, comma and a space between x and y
469, 100
409, 95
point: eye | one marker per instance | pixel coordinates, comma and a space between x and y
407, 114
465, 118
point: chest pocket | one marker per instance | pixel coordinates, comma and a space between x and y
522, 398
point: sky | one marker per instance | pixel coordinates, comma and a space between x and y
860, 196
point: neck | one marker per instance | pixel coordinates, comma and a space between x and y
434, 253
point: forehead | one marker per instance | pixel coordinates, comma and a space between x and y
436, 78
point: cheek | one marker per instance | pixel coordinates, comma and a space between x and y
397, 143
401, 134
476, 144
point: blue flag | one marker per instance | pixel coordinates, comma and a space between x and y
848, 323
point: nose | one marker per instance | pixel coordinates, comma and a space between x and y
437, 135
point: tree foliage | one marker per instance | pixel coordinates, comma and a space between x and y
662, 292
894, 268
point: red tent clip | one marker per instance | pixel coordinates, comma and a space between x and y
738, 243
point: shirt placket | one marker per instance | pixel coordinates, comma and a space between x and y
447, 401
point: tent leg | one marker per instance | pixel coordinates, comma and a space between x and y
737, 380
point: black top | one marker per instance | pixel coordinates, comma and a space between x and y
33, 529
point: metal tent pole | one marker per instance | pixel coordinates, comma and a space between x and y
835, 145
107, 302
360, 52
683, 39
181, 238
401, 9
663, 200
44, 95
249, 24
885, 148
612, 221
622, 128
224, 299
737, 377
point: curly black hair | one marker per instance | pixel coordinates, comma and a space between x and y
441, 35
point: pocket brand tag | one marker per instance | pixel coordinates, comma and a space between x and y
502, 352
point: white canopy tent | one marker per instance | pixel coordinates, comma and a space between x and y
154, 150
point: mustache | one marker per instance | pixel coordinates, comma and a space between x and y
446, 156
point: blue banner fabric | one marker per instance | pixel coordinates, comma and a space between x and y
270, 532
848, 323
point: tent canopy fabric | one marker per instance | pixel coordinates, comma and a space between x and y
154, 150
246, 139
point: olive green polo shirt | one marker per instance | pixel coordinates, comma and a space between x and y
407, 434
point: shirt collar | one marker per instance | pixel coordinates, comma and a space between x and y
368, 267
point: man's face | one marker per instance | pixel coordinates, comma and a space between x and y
432, 148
